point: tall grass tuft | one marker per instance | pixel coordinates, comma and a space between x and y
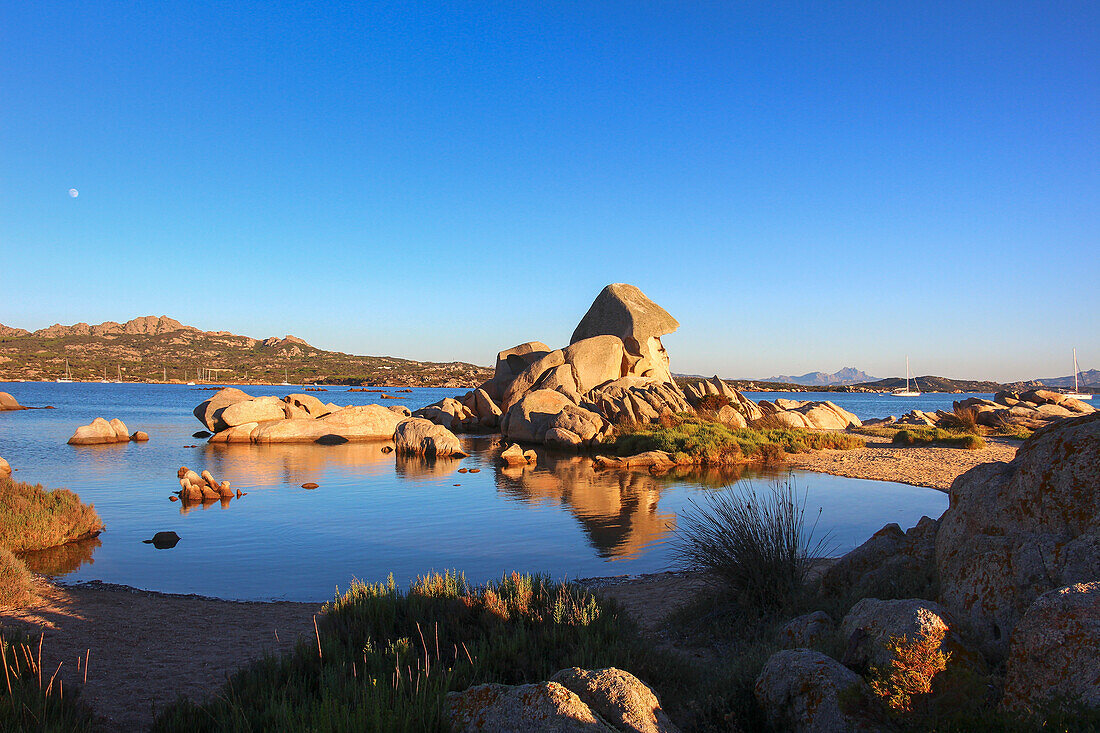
34, 518
964, 419
33, 697
756, 544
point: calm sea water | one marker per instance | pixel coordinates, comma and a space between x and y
377, 513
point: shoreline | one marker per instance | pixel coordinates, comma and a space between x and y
933, 467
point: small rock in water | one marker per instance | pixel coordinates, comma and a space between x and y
463, 470
200, 434
173, 497
140, 436
387, 449
457, 484
163, 540
475, 470
309, 485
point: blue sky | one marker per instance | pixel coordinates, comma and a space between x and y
803, 185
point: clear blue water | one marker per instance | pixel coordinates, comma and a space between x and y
375, 513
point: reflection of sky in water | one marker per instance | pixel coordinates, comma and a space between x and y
374, 512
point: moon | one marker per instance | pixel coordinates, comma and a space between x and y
73, 193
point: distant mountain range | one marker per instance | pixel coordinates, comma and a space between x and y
143, 349
847, 375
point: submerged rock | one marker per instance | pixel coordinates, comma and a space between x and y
163, 540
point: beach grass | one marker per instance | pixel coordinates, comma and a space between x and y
34, 518
33, 698
383, 659
690, 438
755, 544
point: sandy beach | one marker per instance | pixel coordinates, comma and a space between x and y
934, 466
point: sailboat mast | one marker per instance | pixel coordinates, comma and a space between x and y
1075, 388
906, 372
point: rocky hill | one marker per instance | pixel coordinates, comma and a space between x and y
144, 348
847, 375
936, 384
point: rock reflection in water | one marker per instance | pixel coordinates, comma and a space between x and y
294, 463
416, 467
62, 560
618, 509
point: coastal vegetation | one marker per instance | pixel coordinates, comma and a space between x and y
755, 544
382, 659
695, 439
35, 518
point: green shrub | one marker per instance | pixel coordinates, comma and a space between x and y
33, 518
710, 442
757, 545
383, 659
920, 435
32, 698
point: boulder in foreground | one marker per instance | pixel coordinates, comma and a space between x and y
1055, 652
603, 701
805, 691
1017, 530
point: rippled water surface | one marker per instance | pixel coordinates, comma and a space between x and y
376, 513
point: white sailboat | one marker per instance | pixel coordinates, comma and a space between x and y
68, 377
286, 379
104, 380
1077, 394
907, 392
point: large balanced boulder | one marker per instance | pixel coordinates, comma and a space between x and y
209, 412
423, 437
361, 422
623, 310
1016, 530
805, 692
1055, 651
100, 432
